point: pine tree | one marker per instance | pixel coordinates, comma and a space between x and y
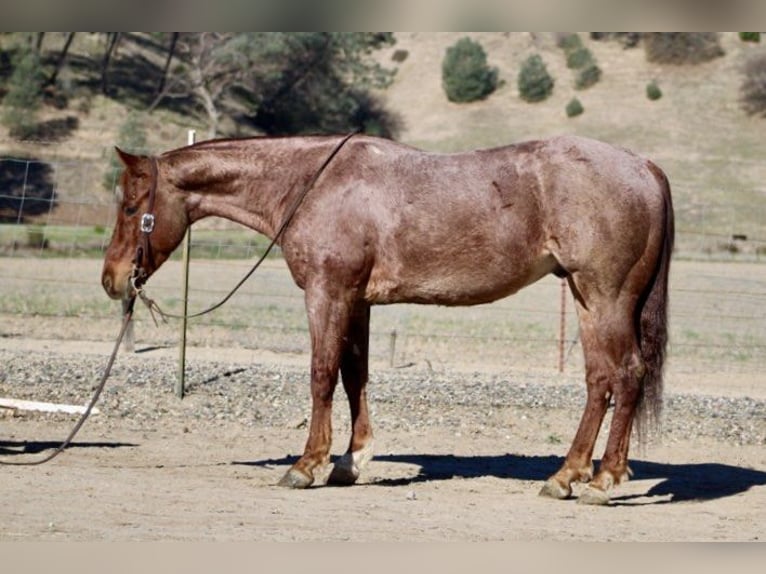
534, 82
466, 77
24, 96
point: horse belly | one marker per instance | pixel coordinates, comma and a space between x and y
455, 282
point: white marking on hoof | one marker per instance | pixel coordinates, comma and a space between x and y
295, 479
554, 489
347, 468
594, 496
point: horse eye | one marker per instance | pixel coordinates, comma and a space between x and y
130, 210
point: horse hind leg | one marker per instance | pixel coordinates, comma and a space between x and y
355, 374
613, 370
578, 465
614, 464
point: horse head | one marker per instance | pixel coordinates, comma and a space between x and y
150, 224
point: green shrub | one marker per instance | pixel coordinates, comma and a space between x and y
534, 82
653, 91
750, 37
682, 47
753, 88
36, 237
569, 42
400, 56
24, 96
466, 77
626, 39
574, 108
579, 58
588, 76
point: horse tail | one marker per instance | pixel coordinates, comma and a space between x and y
653, 322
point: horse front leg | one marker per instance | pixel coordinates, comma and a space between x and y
354, 370
329, 315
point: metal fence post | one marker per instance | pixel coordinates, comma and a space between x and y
181, 376
562, 324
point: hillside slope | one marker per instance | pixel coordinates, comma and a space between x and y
712, 152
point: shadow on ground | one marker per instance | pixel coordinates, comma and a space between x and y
11, 448
678, 482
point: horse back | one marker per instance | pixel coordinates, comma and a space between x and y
472, 227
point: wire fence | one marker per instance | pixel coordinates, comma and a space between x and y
55, 227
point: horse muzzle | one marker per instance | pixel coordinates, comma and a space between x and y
118, 285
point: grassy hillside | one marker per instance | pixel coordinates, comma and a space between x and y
712, 152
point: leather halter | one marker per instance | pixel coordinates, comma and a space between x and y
144, 248
147, 226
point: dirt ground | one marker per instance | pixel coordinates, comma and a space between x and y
167, 484
473, 476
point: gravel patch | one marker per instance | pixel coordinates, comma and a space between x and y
140, 394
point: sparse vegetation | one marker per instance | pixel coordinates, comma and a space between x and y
400, 56
710, 180
466, 77
587, 76
753, 88
580, 59
24, 97
569, 42
754, 37
653, 91
535, 83
36, 237
626, 39
574, 108
682, 47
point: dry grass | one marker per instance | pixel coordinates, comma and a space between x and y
711, 150
697, 132
717, 320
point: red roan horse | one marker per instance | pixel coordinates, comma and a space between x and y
386, 223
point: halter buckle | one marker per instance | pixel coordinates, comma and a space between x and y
147, 223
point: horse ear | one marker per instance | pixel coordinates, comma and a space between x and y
133, 163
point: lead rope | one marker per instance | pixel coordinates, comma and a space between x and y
96, 395
154, 307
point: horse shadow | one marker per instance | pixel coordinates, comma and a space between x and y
22, 447
682, 482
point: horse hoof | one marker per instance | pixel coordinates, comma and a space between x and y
295, 479
344, 471
347, 468
553, 489
593, 496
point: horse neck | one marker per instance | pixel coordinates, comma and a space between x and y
252, 182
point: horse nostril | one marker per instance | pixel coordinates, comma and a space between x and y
106, 281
